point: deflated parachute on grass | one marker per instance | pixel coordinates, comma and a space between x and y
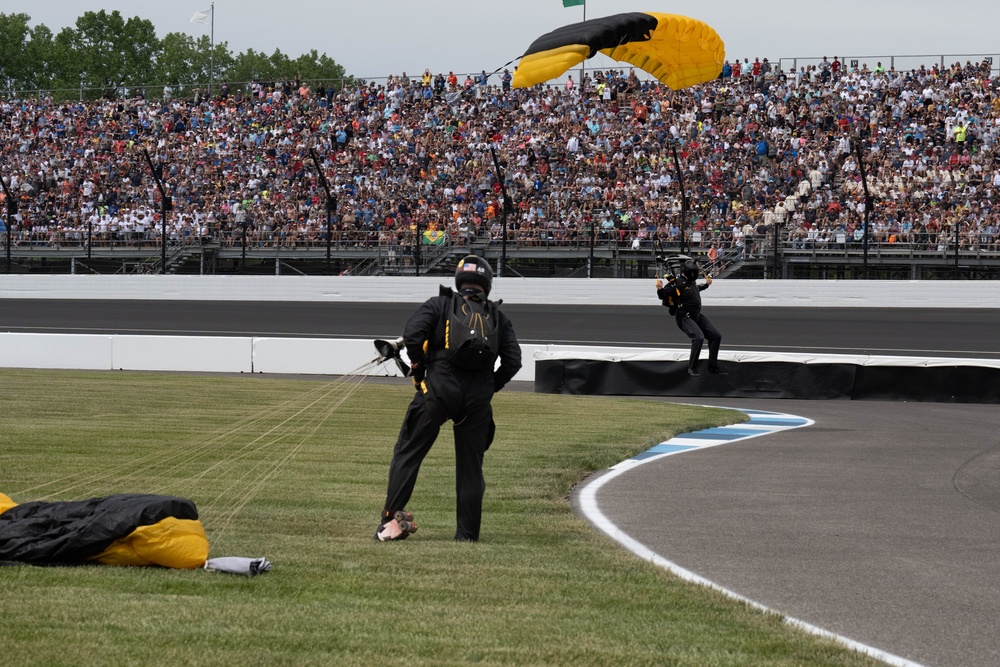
124, 529
677, 50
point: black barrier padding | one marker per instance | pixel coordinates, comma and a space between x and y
771, 379
670, 378
940, 384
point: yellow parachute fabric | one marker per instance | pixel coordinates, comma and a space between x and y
176, 543
6, 503
677, 50
123, 529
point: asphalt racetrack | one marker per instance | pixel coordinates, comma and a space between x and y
880, 522
971, 333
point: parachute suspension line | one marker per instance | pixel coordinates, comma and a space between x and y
298, 408
260, 452
280, 431
261, 442
144, 467
307, 433
139, 467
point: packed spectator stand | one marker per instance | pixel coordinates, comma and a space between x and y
587, 163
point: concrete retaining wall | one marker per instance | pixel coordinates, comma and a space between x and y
338, 357
571, 291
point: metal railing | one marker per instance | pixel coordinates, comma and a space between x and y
895, 63
27, 241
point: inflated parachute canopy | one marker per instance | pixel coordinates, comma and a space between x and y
677, 50
125, 529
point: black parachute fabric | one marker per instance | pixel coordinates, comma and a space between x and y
130, 529
601, 33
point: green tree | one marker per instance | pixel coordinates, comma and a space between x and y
114, 56
14, 62
211, 64
175, 63
315, 67
251, 66
114, 53
44, 57
69, 71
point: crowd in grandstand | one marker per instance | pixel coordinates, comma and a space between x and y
590, 158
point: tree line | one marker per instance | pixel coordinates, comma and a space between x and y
105, 54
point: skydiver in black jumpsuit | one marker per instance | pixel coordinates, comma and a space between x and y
446, 391
690, 319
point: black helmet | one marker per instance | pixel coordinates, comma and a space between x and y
476, 270
690, 269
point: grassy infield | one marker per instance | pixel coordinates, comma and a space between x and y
295, 470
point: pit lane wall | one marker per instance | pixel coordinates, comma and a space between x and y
559, 369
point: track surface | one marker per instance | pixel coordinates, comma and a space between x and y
880, 523
944, 332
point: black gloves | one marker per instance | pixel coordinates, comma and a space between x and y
417, 372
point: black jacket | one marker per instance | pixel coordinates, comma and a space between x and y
424, 339
690, 296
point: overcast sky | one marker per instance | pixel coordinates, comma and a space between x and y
374, 38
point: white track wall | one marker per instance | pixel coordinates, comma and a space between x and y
569, 291
342, 356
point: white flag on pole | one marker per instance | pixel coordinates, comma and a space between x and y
203, 16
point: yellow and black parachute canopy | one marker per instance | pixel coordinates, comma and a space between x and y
677, 50
124, 529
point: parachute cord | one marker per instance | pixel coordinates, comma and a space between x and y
278, 434
467, 91
178, 457
268, 475
118, 471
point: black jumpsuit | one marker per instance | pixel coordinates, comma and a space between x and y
448, 392
691, 321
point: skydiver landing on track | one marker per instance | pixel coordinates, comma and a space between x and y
682, 295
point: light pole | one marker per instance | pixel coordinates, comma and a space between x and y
11, 213
869, 204
507, 206
958, 227
331, 205
165, 205
684, 199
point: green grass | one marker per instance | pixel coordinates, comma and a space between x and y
295, 470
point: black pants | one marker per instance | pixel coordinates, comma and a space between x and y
699, 329
473, 436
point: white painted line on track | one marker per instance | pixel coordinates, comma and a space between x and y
766, 423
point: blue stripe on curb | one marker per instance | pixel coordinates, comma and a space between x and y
761, 423
777, 421
663, 448
723, 433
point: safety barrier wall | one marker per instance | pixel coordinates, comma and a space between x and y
567, 291
213, 354
338, 357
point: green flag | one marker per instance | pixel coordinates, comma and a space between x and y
574, 3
